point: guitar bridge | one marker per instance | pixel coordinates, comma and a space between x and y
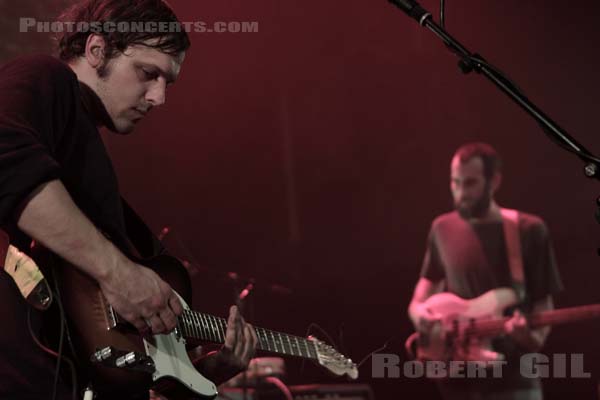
111, 357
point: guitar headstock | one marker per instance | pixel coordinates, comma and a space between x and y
331, 359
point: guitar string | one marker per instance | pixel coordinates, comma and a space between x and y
213, 328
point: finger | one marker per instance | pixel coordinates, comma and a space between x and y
156, 324
238, 349
230, 333
246, 351
430, 314
433, 316
175, 304
168, 319
518, 318
249, 344
521, 322
141, 325
136, 321
426, 324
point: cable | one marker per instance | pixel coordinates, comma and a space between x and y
281, 386
58, 359
63, 325
54, 354
325, 334
365, 358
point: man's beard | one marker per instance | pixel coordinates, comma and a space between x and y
104, 69
479, 209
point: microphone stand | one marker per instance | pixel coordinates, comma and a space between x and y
474, 62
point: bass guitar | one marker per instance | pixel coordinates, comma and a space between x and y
466, 327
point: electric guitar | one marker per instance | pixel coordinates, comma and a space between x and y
117, 360
466, 327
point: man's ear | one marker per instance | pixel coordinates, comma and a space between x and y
95, 46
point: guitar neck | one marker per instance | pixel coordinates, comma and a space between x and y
208, 328
493, 327
565, 315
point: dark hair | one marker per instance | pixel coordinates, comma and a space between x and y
95, 13
492, 163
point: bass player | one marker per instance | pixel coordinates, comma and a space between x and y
468, 256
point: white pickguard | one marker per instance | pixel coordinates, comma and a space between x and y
171, 360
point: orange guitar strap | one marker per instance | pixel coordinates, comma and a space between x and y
26, 274
510, 219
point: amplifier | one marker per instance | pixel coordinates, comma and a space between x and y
353, 391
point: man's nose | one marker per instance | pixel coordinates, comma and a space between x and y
459, 192
157, 95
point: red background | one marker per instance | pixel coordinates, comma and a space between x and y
315, 153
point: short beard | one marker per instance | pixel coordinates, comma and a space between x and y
479, 209
103, 70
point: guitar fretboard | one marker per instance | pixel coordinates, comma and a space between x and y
495, 326
208, 328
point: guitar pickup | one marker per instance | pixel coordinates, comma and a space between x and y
111, 357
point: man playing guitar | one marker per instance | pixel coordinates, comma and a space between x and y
467, 256
58, 186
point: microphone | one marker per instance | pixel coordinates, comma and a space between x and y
164, 232
29, 279
413, 9
244, 293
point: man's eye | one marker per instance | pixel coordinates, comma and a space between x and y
149, 75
